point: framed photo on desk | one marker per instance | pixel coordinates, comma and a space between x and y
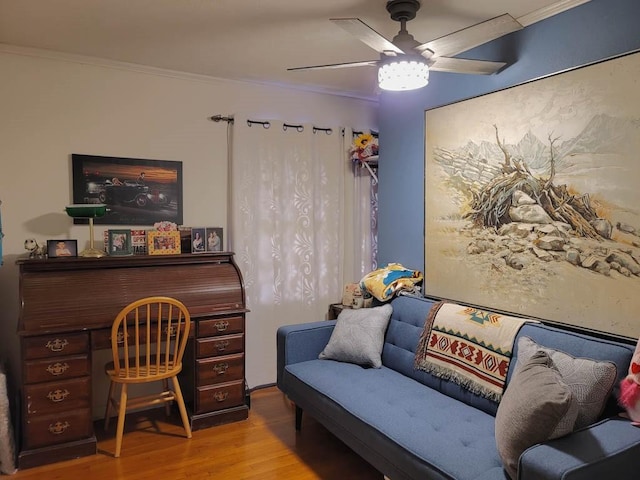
163, 243
120, 242
62, 248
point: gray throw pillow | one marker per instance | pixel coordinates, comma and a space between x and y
358, 336
590, 380
536, 406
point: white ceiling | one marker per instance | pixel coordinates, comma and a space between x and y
254, 40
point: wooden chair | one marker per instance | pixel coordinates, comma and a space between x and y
148, 339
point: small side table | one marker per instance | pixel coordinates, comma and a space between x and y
334, 310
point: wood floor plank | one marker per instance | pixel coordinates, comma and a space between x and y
264, 447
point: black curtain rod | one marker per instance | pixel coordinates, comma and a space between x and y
299, 128
256, 122
285, 126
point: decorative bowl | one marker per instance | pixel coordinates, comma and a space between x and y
86, 210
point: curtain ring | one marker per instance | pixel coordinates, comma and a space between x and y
265, 125
299, 128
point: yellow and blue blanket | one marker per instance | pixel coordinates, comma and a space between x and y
385, 282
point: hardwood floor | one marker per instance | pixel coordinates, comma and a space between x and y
264, 447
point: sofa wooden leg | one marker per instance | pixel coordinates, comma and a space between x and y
298, 418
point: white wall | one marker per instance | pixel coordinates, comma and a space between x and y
53, 105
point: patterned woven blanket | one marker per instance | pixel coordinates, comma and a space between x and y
468, 346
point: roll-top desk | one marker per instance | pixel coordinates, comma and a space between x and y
67, 308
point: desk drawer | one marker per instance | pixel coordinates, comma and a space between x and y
57, 396
208, 347
101, 339
58, 428
220, 326
36, 371
221, 396
220, 369
48, 346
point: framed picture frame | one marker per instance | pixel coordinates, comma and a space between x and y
185, 239
136, 191
214, 241
198, 240
163, 243
531, 202
139, 242
120, 242
62, 248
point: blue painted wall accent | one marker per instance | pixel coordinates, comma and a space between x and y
588, 33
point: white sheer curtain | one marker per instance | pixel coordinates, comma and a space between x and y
287, 218
365, 221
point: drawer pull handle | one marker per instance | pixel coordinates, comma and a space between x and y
222, 346
170, 330
58, 427
120, 338
220, 396
58, 395
221, 368
57, 345
222, 325
58, 368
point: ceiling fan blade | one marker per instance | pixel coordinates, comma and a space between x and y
470, 37
366, 34
371, 63
462, 65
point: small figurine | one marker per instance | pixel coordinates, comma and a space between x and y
630, 388
31, 246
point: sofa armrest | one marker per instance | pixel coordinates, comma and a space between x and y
608, 449
301, 342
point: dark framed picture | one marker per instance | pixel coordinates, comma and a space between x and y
198, 244
62, 248
214, 239
136, 191
163, 243
120, 242
185, 239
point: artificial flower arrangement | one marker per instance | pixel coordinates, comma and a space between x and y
165, 226
363, 150
364, 146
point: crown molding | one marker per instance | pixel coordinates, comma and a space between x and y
549, 11
103, 62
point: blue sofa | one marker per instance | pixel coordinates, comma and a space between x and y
412, 425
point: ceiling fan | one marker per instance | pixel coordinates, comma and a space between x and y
405, 63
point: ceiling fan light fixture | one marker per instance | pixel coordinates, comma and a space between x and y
402, 74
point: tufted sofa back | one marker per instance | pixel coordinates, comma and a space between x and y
407, 322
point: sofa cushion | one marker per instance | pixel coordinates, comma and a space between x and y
581, 345
400, 418
590, 381
358, 336
537, 406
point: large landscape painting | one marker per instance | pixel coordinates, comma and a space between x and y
533, 201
